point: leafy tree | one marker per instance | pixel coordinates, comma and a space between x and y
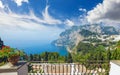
61, 59
44, 56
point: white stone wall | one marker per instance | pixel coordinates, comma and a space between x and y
23, 70
114, 69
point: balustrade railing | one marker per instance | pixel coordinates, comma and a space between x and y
60, 68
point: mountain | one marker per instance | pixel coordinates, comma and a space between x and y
95, 34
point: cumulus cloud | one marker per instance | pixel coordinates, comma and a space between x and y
1, 5
82, 9
19, 2
69, 22
106, 12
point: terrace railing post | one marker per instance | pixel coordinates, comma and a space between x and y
66, 68
63, 68
59, 68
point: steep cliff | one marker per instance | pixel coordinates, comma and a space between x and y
87, 33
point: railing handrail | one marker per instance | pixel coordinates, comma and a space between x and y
95, 61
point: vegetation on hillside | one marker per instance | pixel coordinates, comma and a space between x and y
50, 57
88, 51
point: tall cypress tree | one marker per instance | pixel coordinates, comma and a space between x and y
69, 58
31, 57
1, 44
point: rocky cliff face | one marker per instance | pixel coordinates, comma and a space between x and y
86, 33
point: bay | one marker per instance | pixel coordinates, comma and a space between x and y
38, 49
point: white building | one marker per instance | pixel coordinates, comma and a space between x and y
115, 67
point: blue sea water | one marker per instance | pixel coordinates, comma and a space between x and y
35, 42
37, 49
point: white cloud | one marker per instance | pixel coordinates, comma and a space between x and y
107, 12
19, 2
14, 27
49, 19
13, 21
19, 27
69, 22
10, 20
1, 4
82, 9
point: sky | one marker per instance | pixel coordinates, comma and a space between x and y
41, 21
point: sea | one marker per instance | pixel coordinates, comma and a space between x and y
35, 43
38, 49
